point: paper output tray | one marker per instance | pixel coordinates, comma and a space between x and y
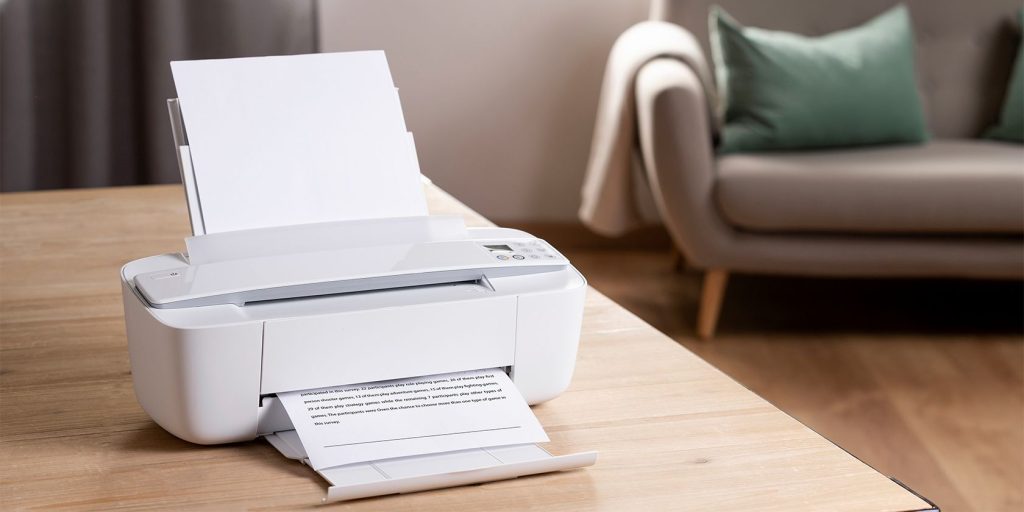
434, 471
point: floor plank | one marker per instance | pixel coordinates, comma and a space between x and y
922, 379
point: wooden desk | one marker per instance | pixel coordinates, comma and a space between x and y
673, 432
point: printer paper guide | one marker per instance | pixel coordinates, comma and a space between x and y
290, 140
389, 419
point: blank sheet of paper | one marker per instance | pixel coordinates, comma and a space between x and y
398, 418
297, 139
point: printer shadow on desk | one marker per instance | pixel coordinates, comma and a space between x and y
155, 440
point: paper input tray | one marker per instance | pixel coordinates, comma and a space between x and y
435, 471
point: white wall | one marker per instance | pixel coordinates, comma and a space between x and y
500, 95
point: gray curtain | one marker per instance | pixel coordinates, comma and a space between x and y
83, 83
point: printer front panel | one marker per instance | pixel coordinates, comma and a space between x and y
388, 343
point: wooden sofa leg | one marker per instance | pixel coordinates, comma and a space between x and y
711, 295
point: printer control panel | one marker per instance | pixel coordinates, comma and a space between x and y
521, 251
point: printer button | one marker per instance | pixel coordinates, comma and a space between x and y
519, 257
502, 257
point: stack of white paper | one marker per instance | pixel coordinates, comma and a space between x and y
277, 141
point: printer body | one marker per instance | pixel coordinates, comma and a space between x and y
209, 354
317, 264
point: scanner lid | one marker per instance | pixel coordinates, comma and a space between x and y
229, 314
355, 269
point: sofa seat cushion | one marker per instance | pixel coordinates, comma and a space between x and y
943, 187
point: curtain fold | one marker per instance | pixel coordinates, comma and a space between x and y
84, 83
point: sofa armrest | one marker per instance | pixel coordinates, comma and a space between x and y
649, 41
608, 195
676, 129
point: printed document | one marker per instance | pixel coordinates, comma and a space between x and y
397, 418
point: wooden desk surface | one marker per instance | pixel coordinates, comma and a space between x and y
672, 432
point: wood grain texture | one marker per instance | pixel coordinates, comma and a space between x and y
922, 379
673, 432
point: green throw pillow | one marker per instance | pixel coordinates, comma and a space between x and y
786, 91
1011, 120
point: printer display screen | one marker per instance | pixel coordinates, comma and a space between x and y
499, 248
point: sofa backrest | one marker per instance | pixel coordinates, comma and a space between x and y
965, 48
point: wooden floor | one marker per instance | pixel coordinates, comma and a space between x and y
922, 379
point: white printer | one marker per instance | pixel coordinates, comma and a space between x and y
216, 333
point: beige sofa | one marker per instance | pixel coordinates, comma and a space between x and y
953, 207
